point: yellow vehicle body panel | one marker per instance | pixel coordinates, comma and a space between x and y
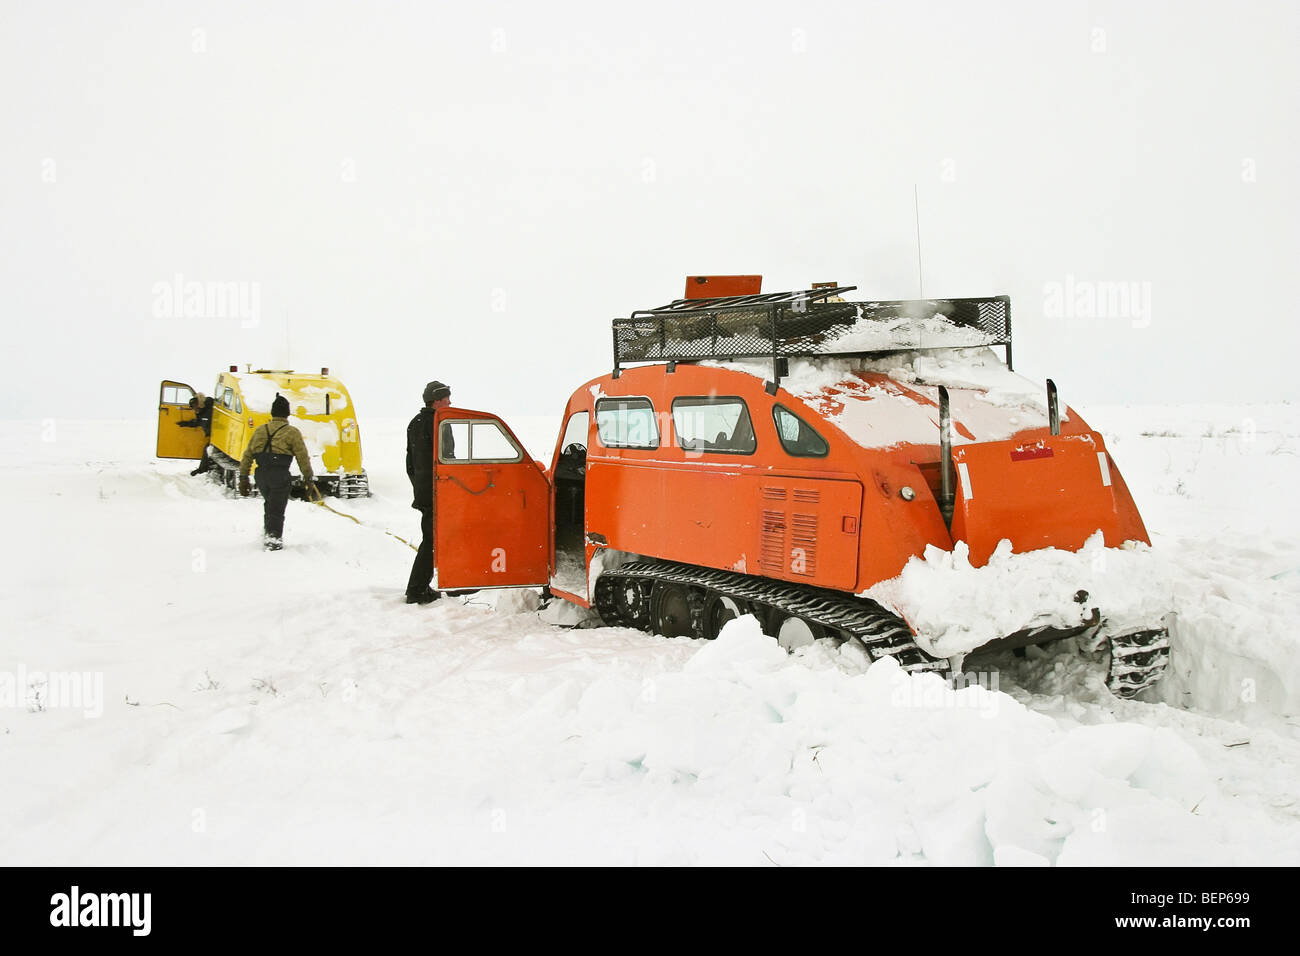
319, 406
174, 441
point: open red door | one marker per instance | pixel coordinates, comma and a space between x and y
492, 505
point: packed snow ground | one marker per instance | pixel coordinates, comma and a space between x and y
289, 708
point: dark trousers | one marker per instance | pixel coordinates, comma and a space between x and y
422, 567
205, 463
275, 495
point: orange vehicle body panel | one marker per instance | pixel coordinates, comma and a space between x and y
726, 511
766, 513
739, 518
1053, 492
840, 521
492, 520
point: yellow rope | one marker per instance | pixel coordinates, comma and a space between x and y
318, 500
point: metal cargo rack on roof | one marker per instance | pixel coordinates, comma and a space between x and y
784, 325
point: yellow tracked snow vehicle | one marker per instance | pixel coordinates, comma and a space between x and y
319, 406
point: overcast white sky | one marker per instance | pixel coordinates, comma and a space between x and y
471, 191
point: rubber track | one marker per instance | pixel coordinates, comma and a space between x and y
883, 634
1138, 658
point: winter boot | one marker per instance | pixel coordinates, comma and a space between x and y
427, 596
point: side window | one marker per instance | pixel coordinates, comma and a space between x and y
176, 395
239, 406
626, 423
572, 462
228, 398
797, 436
476, 441
216, 390
575, 433
714, 424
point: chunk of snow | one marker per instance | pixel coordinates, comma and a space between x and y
955, 607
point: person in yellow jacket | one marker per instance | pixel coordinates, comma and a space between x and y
273, 446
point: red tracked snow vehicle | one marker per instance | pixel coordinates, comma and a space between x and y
769, 458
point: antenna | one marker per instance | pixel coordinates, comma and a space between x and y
920, 279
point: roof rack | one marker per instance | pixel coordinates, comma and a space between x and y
782, 325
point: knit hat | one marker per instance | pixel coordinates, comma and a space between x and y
435, 391
280, 407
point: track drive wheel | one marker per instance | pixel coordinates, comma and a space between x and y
632, 603
792, 632
676, 610
718, 610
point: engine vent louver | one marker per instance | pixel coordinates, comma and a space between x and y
772, 552
803, 544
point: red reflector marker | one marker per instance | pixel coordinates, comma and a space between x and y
1028, 452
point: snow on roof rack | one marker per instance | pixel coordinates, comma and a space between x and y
782, 325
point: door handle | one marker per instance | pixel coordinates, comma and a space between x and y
490, 484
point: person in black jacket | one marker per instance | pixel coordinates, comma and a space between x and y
419, 468
202, 406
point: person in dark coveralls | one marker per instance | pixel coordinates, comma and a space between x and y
419, 468
202, 406
273, 446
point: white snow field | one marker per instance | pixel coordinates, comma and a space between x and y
234, 706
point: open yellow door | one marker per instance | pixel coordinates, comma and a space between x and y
174, 408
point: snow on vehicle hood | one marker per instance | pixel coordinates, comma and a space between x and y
894, 400
259, 392
317, 436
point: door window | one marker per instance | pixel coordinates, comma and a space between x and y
453, 442
176, 394
488, 442
476, 441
